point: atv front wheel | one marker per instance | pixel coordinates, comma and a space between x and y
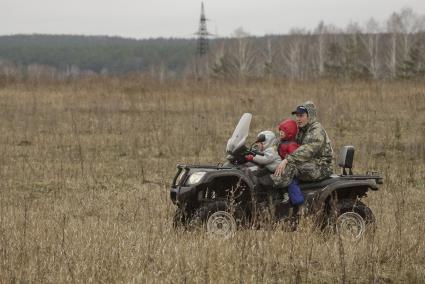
221, 224
219, 218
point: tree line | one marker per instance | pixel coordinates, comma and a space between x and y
395, 49
72, 55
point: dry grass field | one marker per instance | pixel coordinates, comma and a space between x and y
85, 169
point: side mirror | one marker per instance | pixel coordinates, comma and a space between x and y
260, 138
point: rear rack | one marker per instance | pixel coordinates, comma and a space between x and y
369, 175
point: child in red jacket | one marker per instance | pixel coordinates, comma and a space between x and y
288, 130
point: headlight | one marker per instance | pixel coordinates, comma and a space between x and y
196, 177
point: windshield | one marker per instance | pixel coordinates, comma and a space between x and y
240, 134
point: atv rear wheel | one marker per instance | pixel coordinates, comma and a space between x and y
350, 225
354, 219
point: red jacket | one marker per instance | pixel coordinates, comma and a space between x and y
288, 145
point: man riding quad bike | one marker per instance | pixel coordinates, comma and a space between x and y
223, 198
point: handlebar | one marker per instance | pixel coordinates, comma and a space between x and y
253, 152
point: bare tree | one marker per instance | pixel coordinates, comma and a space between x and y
38, 72
353, 63
218, 60
236, 59
408, 25
394, 27
291, 50
403, 27
370, 41
320, 31
244, 54
268, 62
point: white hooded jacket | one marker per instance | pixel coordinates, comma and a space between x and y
271, 158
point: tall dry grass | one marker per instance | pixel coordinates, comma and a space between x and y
85, 168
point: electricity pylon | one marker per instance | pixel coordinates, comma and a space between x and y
203, 34
202, 45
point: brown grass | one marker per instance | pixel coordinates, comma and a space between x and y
85, 168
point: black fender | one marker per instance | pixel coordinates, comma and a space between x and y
241, 176
227, 177
344, 188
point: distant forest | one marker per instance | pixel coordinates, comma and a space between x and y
370, 52
96, 53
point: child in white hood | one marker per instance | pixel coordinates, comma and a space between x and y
271, 158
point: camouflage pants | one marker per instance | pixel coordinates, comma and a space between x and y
304, 172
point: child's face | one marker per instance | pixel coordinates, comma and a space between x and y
282, 134
261, 146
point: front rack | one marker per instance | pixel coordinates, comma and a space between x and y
215, 167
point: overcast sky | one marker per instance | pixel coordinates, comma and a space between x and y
173, 18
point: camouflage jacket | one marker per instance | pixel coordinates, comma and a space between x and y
315, 145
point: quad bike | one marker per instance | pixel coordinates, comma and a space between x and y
226, 197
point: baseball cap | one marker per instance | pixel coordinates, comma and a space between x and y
300, 110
